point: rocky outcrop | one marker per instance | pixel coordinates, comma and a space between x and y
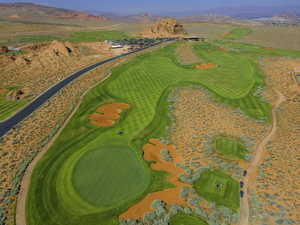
46, 53
167, 27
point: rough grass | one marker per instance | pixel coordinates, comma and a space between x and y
94, 36
7, 108
218, 187
238, 33
230, 148
285, 37
38, 38
185, 219
144, 83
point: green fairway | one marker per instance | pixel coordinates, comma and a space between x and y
230, 148
109, 169
94, 36
185, 219
218, 187
91, 174
8, 107
238, 33
39, 38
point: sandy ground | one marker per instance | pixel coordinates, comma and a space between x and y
275, 191
108, 114
169, 196
205, 66
244, 205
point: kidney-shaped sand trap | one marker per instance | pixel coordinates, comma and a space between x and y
106, 115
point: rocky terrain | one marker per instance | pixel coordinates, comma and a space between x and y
43, 65
167, 27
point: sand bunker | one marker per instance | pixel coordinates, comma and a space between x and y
152, 153
106, 115
205, 66
223, 49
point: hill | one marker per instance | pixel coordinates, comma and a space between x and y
19, 11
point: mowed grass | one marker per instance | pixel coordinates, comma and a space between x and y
238, 33
216, 186
230, 148
7, 107
185, 219
63, 190
129, 178
242, 71
38, 38
94, 36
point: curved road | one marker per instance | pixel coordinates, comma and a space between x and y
244, 204
11, 122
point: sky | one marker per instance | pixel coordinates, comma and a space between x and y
153, 6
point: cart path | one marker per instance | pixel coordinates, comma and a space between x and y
244, 203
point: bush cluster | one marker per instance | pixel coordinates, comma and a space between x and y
165, 155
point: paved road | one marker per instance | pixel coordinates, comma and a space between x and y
10, 123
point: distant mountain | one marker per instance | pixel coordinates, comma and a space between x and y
35, 11
251, 12
141, 17
240, 12
209, 18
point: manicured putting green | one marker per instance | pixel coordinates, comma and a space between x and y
109, 175
185, 219
218, 187
230, 148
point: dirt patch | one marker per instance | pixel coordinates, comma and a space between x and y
186, 55
106, 115
169, 196
205, 66
223, 49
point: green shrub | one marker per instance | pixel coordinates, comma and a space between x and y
165, 155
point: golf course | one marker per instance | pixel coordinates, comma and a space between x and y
91, 174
